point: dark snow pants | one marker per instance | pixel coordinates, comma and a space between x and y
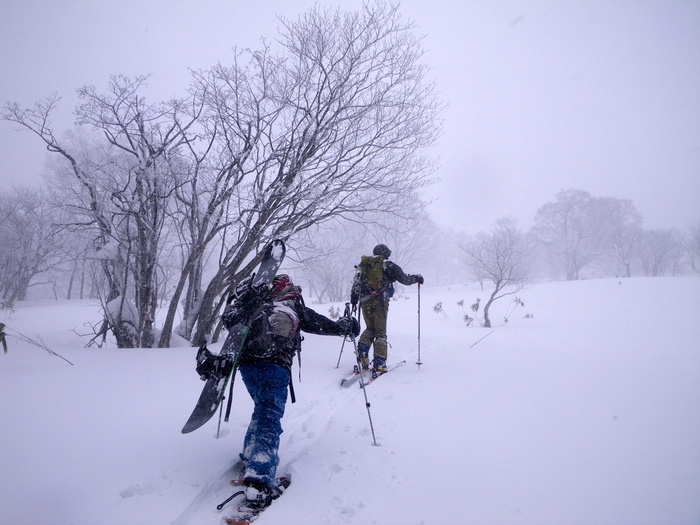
374, 312
267, 384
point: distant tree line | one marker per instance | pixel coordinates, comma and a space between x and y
575, 237
580, 235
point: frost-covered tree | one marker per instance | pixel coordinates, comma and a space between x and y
578, 228
326, 257
29, 240
501, 256
626, 243
333, 122
661, 250
694, 246
119, 189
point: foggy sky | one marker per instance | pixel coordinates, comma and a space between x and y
597, 95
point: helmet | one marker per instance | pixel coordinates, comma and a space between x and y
381, 249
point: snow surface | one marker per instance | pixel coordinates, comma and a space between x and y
586, 413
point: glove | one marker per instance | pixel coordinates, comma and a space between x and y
348, 326
229, 317
418, 278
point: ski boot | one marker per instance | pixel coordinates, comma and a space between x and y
379, 367
363, 350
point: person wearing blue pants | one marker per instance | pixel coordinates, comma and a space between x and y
267, 384
265, 366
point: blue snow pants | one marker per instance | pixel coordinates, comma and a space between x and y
267, 384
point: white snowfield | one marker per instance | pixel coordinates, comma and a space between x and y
585, 412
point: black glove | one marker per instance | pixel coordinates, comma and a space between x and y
348, 326
231, 316
418, 278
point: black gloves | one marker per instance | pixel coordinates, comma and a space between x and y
348, 326
418, 278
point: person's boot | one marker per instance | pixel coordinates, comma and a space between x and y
379, 366
257, 493
363, 350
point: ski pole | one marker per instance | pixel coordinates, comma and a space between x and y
419, 362
345, 314
348, 313
337, 365
364, 390
228, 406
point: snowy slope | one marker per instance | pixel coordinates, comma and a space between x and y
586, 413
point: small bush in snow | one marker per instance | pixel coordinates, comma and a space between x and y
334, 312
513, 305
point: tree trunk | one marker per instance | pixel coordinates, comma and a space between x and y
166, 334
492, 298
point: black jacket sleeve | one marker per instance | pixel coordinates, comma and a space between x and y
312, 322
395, 273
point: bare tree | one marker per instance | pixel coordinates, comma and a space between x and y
410, 238
694, 246
501, 256
29, 241
578, 228
334, 125
661, 251
325, 255
627, 241
120, 191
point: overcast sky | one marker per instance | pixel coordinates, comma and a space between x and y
544, 95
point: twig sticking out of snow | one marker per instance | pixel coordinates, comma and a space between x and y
492, 331
40, 343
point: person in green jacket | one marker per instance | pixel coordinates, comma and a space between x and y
373, 288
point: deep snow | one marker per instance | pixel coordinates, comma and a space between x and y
586, 413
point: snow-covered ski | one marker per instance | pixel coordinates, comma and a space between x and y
374, 377
367, 375
213, 391
351, 379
